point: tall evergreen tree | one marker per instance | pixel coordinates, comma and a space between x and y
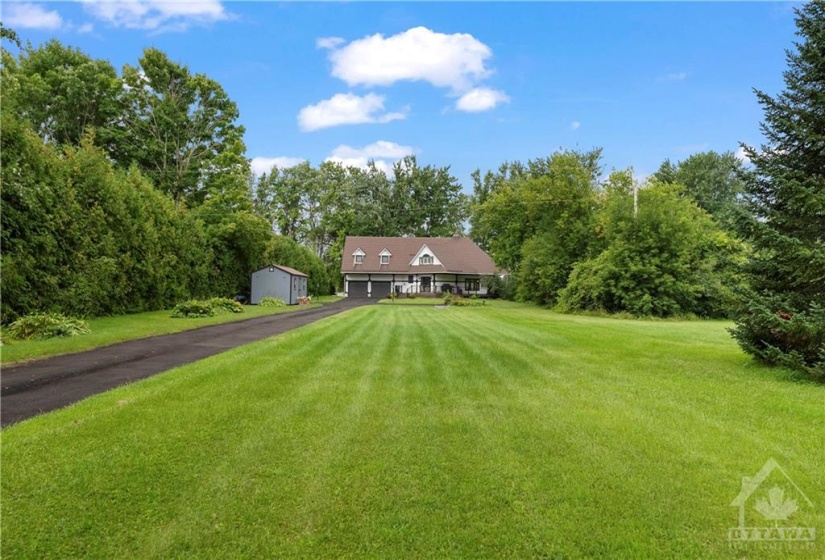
782, 319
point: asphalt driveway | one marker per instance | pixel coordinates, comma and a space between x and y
33, 388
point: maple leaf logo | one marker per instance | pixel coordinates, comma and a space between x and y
776, 507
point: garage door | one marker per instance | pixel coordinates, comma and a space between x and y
357, 289
380, 289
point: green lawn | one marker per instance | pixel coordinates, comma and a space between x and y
409, 432
110, 330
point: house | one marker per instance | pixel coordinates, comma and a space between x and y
280, 282
376, 266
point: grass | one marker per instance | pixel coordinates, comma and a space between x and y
407, 432
431, 301
326, 299
111, 330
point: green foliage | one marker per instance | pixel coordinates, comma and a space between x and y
780, 335
780, 319
61, 91
193, 309
285, 251
712, 180
670, 259
86, 239
319, 207
179, 128
500, 287
269, 301
537, 221
46, 325
225, 304
459, 301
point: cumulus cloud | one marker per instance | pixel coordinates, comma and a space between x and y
157, 15
454, 61
30, 16
346, 108
384, 154
480, 99
261, 165
575, 125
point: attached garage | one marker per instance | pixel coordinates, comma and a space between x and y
356, 289
381, 289
277, 281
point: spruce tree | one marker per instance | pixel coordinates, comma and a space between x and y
782, 317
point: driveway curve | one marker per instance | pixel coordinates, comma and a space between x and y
33, 388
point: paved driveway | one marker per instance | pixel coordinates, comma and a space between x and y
33, 388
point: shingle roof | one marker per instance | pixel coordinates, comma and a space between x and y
458, 255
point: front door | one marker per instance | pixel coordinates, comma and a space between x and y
425, 284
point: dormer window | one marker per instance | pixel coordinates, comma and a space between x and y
384, 257
425, 259
358, 256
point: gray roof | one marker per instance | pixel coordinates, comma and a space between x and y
286, 269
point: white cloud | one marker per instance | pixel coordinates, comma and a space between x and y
384, 154
575, 125
481, 99
261, 165
329, 42
85, 28
742, 156
30, 16
455, 61
157, 15
673, 77
346, 108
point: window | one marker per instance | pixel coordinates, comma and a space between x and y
410, 279
385, 259
359, 259
471, 285
425, 259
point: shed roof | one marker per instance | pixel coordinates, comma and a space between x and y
290, 271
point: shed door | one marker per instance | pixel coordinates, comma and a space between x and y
357, 289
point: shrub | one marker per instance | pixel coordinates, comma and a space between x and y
192, 309
225, 304
47, 325
269, 301
459, 301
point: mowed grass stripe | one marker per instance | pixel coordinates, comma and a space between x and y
409, 431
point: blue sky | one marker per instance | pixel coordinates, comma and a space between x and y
468, 85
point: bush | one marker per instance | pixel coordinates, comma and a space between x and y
47, 325
459, 301
225, 304
269, 301
193, 309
